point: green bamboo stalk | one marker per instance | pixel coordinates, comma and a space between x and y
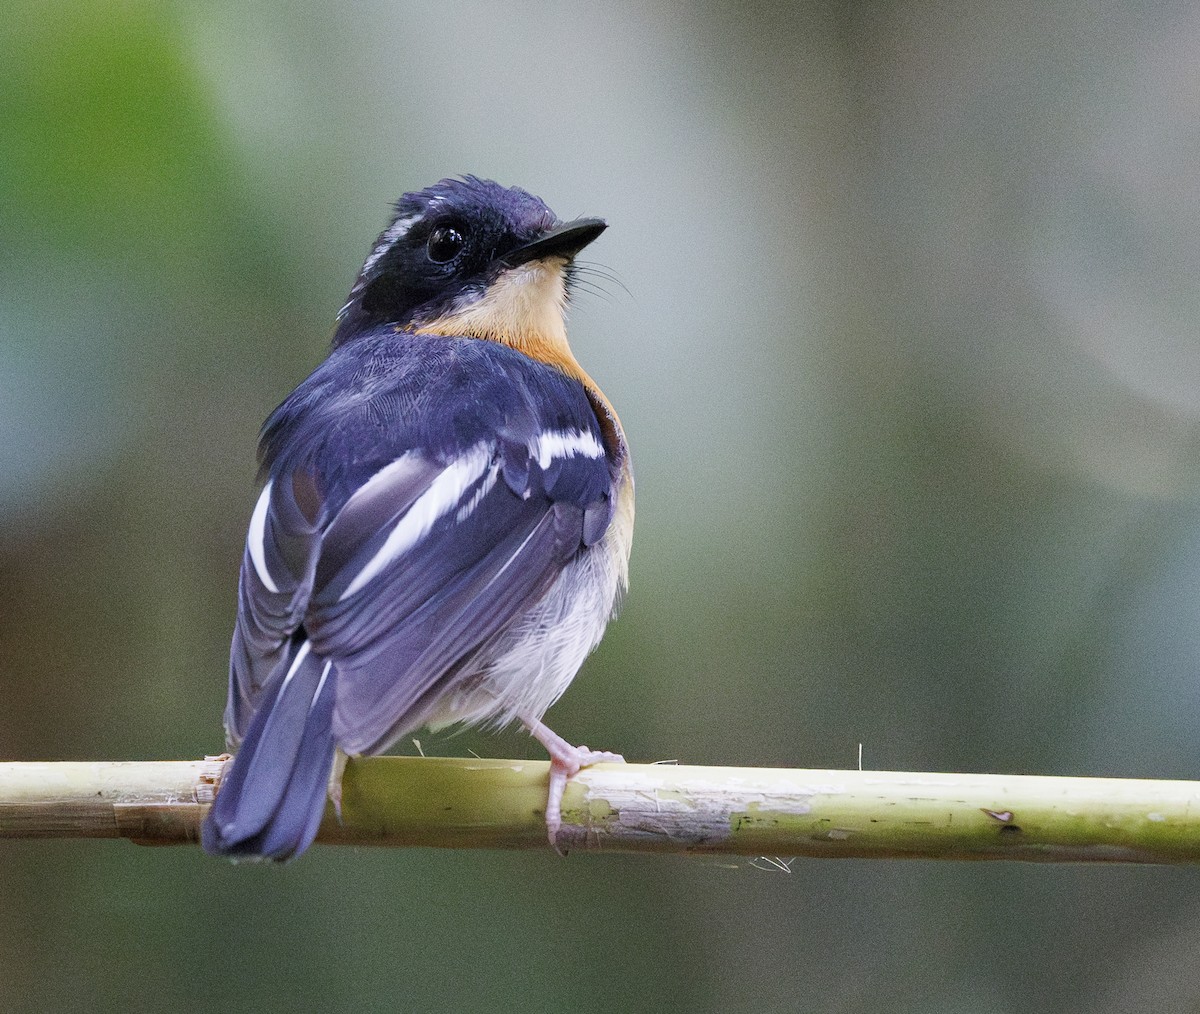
472, 803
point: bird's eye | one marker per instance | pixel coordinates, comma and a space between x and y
444, 244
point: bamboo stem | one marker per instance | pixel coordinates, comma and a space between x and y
471, 803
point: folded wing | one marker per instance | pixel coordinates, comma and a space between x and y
425, 563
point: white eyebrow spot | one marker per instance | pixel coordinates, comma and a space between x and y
394, 231
443, 494
256, 537
564, 444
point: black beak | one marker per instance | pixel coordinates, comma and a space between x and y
562, 241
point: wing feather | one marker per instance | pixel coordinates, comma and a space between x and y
403, 634
273, 591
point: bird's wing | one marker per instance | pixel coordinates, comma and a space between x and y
426, 562
273, 592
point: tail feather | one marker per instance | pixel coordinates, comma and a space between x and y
270, 802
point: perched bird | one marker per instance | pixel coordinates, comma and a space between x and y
445, 527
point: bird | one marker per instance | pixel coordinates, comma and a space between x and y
445, 522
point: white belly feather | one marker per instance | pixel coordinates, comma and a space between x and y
532, 662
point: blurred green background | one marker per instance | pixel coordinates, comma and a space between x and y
910, 367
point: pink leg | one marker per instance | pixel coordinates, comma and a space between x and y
565, 762
335, 781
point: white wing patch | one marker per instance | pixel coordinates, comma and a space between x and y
443, 495
564, 444
256, 536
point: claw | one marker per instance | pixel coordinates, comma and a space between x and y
566, 761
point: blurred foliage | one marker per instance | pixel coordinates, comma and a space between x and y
911, 374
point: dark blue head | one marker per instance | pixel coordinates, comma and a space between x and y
451, 248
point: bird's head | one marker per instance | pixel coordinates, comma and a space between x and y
470, 257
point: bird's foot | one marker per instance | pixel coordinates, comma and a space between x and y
334, 789
566, 761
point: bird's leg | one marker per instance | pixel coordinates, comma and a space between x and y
335, 781
565, 763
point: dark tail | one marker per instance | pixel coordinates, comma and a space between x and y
270, 802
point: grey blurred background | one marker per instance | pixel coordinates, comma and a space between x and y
910, 367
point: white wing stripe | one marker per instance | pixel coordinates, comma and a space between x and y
484, 489
301, 655
564, 444
256, 536
404, 466
321, 684
444, 493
